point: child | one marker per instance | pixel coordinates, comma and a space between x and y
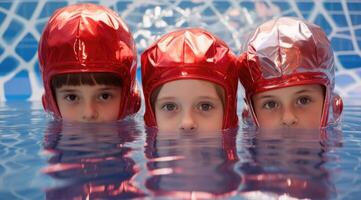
189, 83
288, 75
88, 63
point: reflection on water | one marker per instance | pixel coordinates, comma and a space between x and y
43, 159
289, 163
192, 166
92, 159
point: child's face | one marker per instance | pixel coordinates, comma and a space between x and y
85, 103
189, 106
296, 107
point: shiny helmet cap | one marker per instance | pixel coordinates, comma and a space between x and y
287, 52
88, 38
191, 53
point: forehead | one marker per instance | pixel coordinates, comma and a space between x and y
299, 89
189, 87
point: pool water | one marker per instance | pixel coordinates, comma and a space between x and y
44, 159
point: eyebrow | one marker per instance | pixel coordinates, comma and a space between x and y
304, 90
265, 96
298, 92
109, 88
208, 97
165, 98
203, 97
67, 90
174, 98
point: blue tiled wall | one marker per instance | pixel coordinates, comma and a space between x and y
21, 24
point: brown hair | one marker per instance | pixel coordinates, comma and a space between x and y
89, 78
221, 93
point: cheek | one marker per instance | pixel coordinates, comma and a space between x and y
68, 114
65, 109
212, 123
267, 119
261, 113
219, 118
110, 112
319, 108
167, 126
312, 117
111, 116
164, 122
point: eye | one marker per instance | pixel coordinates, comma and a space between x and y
304, 100
169, 107
205, 106
71, 97
105, 96
270, 104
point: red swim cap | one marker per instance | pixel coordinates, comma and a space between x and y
88, 38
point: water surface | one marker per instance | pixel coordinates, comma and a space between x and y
44, 159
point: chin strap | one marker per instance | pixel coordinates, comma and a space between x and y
247, 117
134, 100
48, 107
337, 107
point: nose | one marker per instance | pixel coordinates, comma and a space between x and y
289, 118
90, 112
188, 122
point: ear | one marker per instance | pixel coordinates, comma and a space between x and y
246, 113
247, 117
134, 100
337, 106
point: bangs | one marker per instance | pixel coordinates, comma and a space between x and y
77, 79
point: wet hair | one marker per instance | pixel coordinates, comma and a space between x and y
90, 78
219, 90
